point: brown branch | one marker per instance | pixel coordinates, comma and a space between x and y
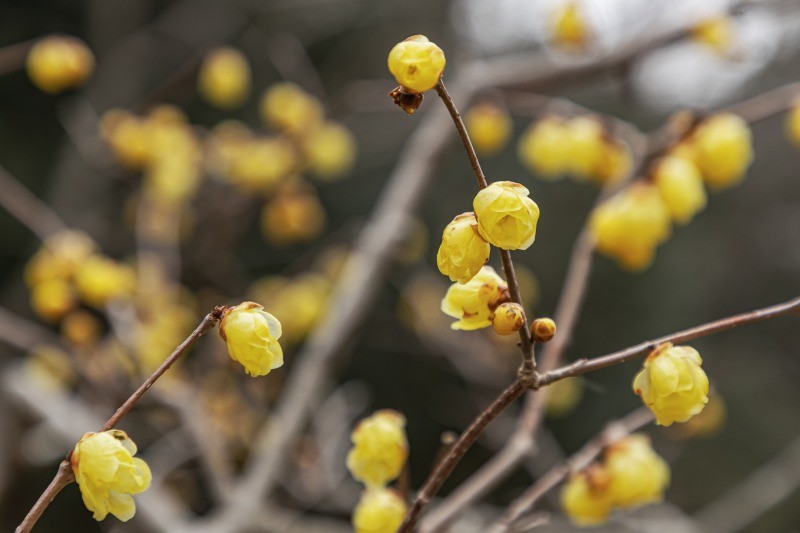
13, 56
582, 366
526, 344
27, 208
613, 432
457, 451
765, 105
64, 476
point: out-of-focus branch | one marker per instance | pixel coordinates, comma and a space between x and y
23, 334
762, 490
613, 432
12, 57
27, 208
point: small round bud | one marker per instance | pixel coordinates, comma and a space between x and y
508, 318
58, 63
224, 78
489, 126
416, 63
380, 510
724, 149
681, 187
543, 329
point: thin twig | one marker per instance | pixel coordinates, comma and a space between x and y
457, 451
27, 208
64, 475
12, 57
613, 432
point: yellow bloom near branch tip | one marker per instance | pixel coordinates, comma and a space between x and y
463, 251
252, 337
474, 302
672, 383
416, 63
107, 473
507, 217
379, 448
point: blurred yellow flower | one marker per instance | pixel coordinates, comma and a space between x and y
672, 383
562, 397
681, 186
793, 124
507, 217
474, 303
586, 147
638, 474
463, 251
107, 473
81, 328
298, 303
252, 337
330, 151
379, 510
260, 163
416, 63
615, 163
716, 33
58, 62
379, 449
724, 149
288, 107
100, 280
585, 497
52, 299
291, 217
543, 147
489, 127
569, 28
224, 78
59, 256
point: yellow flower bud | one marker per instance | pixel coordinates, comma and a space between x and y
252, 337
107, 473
52, 299
59, 256
100, 279
716, 33
724, 149
379, 510
58, 63
681, 186
416, 63
508, 318
172, 179
793, 124
489, 127
672, 383
615, 163
630, 225
706, 424
543, 147
507, 218
585, 147
569, 28
288, 107
543, 329
330, 151
261, 163
638, 474
292, 217
474, 302
128, 137
585, 498
463, 251
224, 78
379, 449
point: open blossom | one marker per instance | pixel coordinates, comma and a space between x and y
380, 510
463, 251
416, 63
638, 474
474, 302
507, 217
252, 336
107, 473
379, 448
672, 383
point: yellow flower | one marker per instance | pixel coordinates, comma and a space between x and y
543, 147
59, 257
107, 473
507, 218
379, 510
585, 498
52, 299
292, 217
681, 186
288, 107
585, 146
330, 151
638, 474
463, 251
706, 424
100, 279
224, 78
672, 383
793, 124
614, 164
128, 136
716, 33
81, 328
508, 318
568, 27
58, 63
474, 303
252, 336
489, 128
416, 63
724, 149
380, 448
630, 225
260, 163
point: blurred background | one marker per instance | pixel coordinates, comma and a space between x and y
210, 152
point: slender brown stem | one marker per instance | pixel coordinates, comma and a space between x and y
27, 208
457, 451
582, 366
64, 476
526, 344
613, 432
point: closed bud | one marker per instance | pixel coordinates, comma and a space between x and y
252, 337
416, 63
224, 78
288, 107
507, 217
543, 329
508, 318
380, 510
463, 251
543, 147
379, 449
681, 186
724, 149
672, 383
489, 127
58, 63
474, 302
638, 474
585, 497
